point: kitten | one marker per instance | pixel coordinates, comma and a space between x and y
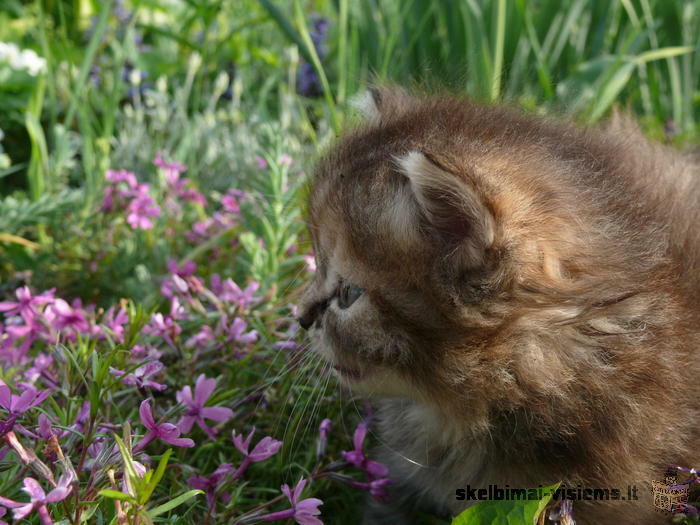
523, 297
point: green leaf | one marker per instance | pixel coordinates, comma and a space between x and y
666, 52
510, 512
115, 494
165, 507
158, 473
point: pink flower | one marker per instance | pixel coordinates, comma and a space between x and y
302, 511
211, 484
357, 457
196, 412
166, 432
232, 200
172, 170
262, 163
323, 431
140, 211
117, 176
19, 404
228, 290
115, 323
164, 327
141, 377
39, 499
266, 448
234, 331
26, 303
62, 316
310, 261
376, 488
285, 160
204, 336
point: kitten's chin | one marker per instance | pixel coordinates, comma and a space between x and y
376, 381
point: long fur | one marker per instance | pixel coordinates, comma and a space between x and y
532, 300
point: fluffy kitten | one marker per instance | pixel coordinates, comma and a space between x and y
523, 297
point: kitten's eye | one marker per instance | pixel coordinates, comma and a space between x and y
348, 294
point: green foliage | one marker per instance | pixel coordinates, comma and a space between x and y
214, 85
507, 512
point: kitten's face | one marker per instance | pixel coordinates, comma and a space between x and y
392, 232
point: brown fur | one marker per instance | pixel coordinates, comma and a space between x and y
532, 300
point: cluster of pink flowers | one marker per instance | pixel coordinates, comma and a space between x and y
125, 192
204, 319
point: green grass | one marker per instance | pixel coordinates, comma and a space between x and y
221, 91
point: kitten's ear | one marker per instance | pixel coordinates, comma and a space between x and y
449, 205
380, 104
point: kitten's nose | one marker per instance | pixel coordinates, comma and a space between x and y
309, 315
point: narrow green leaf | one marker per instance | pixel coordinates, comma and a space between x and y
165, 507
664, 52
115, 494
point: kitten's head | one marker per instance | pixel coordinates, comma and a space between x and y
431, 224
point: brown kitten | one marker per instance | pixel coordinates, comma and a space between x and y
522, 295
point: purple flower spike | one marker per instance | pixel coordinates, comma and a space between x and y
166, 432
357, 457
196, 411
39, 499
303, 511
323, 431
266, 448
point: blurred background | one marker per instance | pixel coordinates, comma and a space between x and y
88, 85
154, 156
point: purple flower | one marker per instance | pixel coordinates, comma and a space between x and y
211, 484
26, 303
234, 331
323, 431
140, 211
40, 369
39, 499
164, 327
19, 404
357, 457
230, 291
166, 432
188, 268
266, 448
172, 170
115, 323
204, 336
141, 376
375, 488
62, 316
196, 412
302, 511
117, 176
262, 163
232, 201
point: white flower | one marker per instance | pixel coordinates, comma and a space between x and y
24, 59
